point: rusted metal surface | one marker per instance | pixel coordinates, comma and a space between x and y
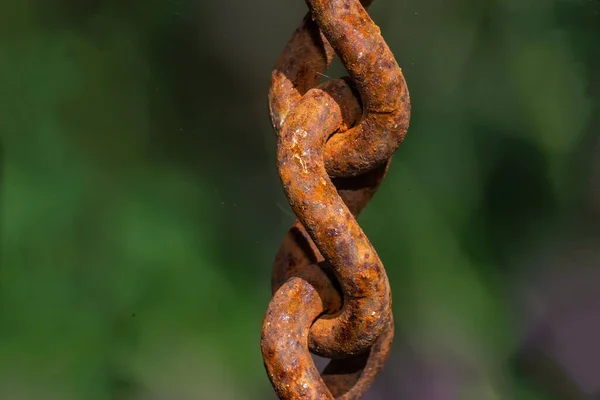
335, 140
347, 27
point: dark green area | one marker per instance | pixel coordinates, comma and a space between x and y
141, 210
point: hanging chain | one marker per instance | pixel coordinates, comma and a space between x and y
334, 144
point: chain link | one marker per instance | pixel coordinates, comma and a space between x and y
334, 144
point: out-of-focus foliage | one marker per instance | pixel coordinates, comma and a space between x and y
141, 211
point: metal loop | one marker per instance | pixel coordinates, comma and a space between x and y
295, 305
330, 224
329, 336
345, 25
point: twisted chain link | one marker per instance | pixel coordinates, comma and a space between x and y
334, 144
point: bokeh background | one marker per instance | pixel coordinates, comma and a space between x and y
141, 209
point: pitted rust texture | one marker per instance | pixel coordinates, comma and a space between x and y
284, 342
290, 368
331, 225
303, 291
345, 25
331, 293
305, 58
334, 335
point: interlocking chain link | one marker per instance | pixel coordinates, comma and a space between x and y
335, 141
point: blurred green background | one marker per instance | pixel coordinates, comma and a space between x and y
141, 209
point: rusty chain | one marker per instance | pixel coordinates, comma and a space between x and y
335, 141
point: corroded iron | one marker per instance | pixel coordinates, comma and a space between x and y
335, 140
